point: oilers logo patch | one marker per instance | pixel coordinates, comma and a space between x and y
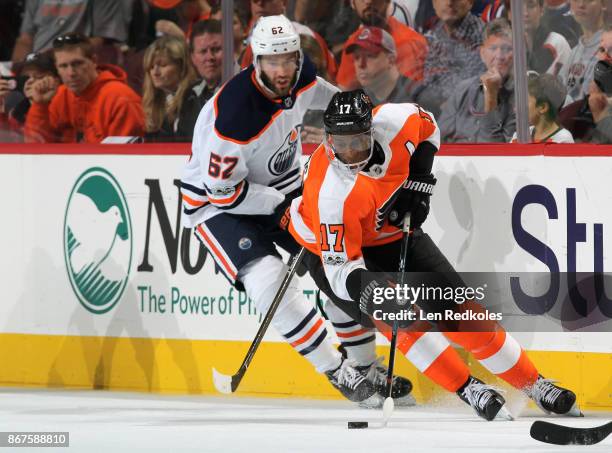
245, 243
284, 157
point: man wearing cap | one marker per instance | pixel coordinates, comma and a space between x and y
411, 47
15, 100
375, 58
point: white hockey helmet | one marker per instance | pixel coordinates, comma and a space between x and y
273, 35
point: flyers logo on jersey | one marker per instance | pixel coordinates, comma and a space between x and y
283, 158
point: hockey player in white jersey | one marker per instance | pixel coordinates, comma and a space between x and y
238, 185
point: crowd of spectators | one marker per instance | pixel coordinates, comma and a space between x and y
95, 70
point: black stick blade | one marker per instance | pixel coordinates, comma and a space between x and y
552, 433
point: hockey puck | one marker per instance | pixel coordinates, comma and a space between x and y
357, 425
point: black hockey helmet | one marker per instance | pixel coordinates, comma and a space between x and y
348, 112
348, 131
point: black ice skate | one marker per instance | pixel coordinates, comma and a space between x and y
553, 399
353, 383
400, 391
484, 399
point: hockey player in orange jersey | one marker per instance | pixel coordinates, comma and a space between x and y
373, 167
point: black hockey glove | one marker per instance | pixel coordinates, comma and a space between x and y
281, 215
413, 198
377, 298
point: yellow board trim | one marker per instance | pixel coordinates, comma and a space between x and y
184, 366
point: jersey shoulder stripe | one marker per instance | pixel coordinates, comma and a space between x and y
242, 110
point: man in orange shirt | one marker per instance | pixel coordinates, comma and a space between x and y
411, 46
93, 102
373, 167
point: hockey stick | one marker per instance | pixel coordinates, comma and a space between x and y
228, 384
552, 433
389, 405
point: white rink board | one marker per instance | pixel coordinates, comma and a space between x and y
470, 220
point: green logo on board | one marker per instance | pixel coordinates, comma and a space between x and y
97, 240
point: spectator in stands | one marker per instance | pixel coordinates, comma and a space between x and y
556, 17
411, 46
454, 55
239, 28
15, 103
10, 98
261, 8
168, 98
206, 45
181, 15
559, 19
590, 118
334, 20
481, 108
375, 58
43, 21
93, 102
577, 74
547, 51
546, 96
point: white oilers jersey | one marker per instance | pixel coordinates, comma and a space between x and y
246, 147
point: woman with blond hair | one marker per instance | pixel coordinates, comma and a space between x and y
167, 98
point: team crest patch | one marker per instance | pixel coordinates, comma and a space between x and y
284, 157
245, 243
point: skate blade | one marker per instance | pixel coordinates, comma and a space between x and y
504, 414
575, 411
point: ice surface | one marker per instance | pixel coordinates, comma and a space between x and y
114, 422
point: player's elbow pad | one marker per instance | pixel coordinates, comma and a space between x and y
422, 159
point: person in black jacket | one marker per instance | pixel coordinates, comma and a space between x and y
206, 52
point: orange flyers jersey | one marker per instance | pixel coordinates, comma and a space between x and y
338, 214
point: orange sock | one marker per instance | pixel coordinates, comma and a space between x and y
499, 353
432, 355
